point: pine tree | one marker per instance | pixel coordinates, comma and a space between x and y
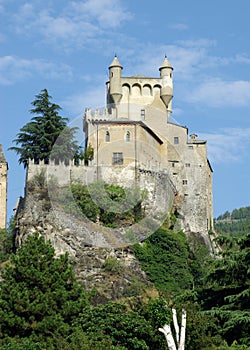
45, 130
227, 290
39, 295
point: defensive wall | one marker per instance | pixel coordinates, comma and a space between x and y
160, 190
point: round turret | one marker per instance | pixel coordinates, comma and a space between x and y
115, 87
166, 70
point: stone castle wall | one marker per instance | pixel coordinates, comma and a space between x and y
190, 202
159, 189
3, 189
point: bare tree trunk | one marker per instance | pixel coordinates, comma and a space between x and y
176, 327
166, 330
180, 338
183, 329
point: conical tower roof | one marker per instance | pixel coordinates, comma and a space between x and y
166, 64
115, 63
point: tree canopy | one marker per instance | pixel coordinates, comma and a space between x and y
45, 130
39, 295
226, 293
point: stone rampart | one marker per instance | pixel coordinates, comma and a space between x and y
159, 189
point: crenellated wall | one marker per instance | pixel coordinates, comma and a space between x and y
160, 190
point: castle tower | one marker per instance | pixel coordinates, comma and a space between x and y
136, 133
166, 70
115, 86
3, 188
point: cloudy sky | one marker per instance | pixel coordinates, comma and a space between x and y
67, 46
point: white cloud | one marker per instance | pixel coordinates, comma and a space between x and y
187, 57
229, 145
108, 13
219, 93
74, 24
178, 26
14, 69
243, 58
193, 60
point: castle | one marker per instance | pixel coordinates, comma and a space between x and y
136, 129
3, 188
135, 141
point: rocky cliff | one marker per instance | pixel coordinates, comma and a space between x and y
112, 271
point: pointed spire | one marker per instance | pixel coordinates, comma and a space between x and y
115, 63
166, 63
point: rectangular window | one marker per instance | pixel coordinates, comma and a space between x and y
118, 158
187, 165
190, 147
142, 114
184, 182
176, 140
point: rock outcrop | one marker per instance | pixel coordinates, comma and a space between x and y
113, 272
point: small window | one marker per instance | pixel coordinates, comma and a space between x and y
143, 114
107, 138
173, 164
176, 140
190, 147
118, 158
184, 182
128, 136
187, 165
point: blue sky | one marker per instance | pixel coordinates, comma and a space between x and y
67, 46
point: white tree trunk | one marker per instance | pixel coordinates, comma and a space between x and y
166, 330
183, 329
180, 338
176, 327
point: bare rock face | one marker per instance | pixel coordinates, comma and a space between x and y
99, 264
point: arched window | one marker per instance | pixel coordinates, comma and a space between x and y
107, 138
128, 136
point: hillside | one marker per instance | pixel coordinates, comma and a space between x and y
235, 223
128, 292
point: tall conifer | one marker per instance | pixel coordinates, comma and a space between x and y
45, 130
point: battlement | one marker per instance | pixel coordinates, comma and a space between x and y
52, 162
105, 113
158, 185
62, 172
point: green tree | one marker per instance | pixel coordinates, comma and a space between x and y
37, 138
227, 291
126, 330
7, 240
39, 295
165, 257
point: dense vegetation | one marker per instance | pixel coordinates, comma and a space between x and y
40, 293
42, 306
109, 205
167, 260
235, 223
